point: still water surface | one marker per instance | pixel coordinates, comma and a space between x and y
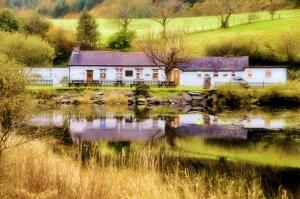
257, 137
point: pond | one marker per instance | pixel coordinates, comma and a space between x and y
267, 140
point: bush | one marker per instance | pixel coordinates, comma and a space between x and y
257, 54
121, 40
142, 90
63, 42
26, 50
36, 25
9, 22
233, 96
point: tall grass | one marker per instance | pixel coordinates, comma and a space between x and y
35, 171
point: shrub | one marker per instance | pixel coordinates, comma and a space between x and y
9, 22
142, 90
294, 75
63, 42
121, 40
233, 96
36, 25
257, 54
26, 50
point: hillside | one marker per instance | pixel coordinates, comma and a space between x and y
142, 8
264, 31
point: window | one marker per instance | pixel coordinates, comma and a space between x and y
249, 73
268, 73
102, 74
216, 74
128, 73
225, 75
233, 74
206, 75
155, 74
119, 73
138, 73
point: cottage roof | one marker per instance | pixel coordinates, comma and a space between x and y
214, 64
106, 58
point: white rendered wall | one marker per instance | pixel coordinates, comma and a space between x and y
197, 78
80, 73
55, 74
278, 75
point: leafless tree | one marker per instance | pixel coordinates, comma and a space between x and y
223, 9
164, 52
274, 6
164, 12
124, 14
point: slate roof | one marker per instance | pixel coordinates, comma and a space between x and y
106, 58
214, 64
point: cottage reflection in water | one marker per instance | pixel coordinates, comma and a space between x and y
130, 128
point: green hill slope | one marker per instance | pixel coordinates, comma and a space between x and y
269, 32
265, 31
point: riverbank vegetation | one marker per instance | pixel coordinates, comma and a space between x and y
25, 174
236, 96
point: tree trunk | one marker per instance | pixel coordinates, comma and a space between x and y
164, 25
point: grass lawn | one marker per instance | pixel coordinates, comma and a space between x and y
163, 93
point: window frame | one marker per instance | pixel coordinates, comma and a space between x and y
155, 74
268, 73
130, 71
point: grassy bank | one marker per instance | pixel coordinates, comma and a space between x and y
35, 171
236, 96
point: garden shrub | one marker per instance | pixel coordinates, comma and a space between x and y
142, 90
121, 40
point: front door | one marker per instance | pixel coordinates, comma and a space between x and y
89, 75
176, 76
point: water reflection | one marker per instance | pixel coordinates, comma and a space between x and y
257, 137
140, 126
248, 138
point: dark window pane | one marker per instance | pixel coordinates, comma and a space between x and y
128, 73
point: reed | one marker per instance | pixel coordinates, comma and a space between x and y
33, 170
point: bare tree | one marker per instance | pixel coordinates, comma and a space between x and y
274, 6
166, 52
223, 9
164, 13
124, 14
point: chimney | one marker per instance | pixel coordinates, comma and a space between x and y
76, 50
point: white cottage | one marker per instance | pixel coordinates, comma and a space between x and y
226, 69
109, 66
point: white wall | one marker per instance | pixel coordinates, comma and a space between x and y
55, 74
197, 78
278, 75
80, 73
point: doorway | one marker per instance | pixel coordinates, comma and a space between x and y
176, 76
89, 75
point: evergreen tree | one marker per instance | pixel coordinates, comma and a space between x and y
87, 31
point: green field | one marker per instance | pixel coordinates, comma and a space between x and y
262, 31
